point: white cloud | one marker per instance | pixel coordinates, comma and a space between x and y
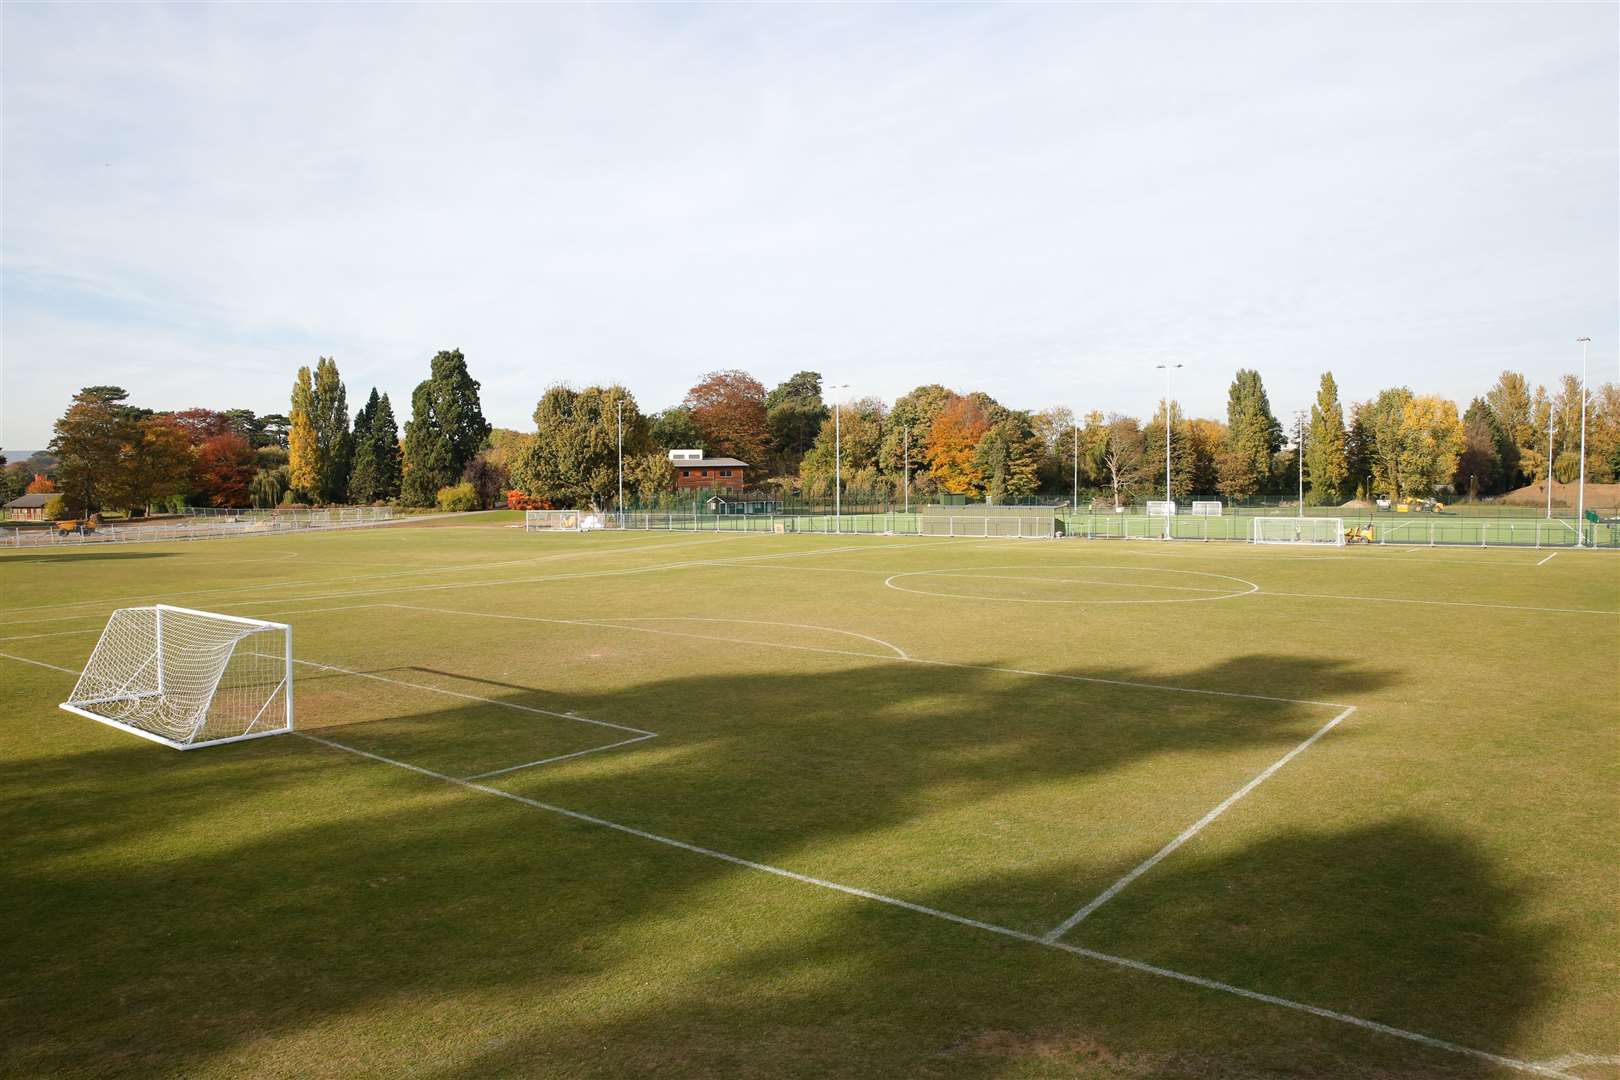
1038, 201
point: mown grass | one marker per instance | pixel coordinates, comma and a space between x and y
1443, 861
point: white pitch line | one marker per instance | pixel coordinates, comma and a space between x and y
558, 757
38, 663
1191, 831
878, 656
962, 920
468, 697
897, 650
1548, 559
1441, 603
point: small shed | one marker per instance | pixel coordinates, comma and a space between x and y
29, 507
743, 502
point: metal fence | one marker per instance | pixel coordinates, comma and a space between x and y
1388, 529
202, 527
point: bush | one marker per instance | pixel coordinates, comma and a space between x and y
56, 509
518, 500
458, 497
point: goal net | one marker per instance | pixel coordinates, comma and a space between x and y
1206, 508
548, 520
1160, 508
188, 678
1299, 530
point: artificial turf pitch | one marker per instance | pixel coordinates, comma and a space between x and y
695, 805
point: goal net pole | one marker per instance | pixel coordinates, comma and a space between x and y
187, 678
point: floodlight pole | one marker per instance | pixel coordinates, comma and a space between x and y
1549, 458
1075, 501
838, 464
620, 506
907, 469
1167, 367
1580, 494
1299, 452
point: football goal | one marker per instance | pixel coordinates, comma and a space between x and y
564, 520
1299, 530
1160, 508
188, 678
1206, 508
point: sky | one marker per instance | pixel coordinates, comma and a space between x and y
1043, 202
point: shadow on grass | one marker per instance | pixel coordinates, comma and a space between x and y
170, 912
88, 555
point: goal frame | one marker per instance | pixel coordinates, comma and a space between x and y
1336, 524
284, 688
1161, 508
1208, 508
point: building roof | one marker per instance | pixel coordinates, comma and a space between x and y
31, 502
710, 462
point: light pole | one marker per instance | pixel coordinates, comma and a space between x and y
1580, 494
1299, 452
907, 469
620, 506
838, 463
1549, 458
1167, 368
1075, 500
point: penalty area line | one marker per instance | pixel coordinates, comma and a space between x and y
1191, 831
962, 920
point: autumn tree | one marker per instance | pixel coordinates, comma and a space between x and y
1119, 454
41, 485
952, 447
728, 407
303, 448
1326, 466
1204, 439
226, 467
199, 424
447, 427
910, 421
858, 430
1479, 467
90, 439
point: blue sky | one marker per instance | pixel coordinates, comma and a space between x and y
1043, 202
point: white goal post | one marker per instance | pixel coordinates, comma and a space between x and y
1160, 508
1299, 530
1206, 508
564, 520
188, 678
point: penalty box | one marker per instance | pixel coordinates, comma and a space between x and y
1011, 796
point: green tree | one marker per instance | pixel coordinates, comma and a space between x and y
447, 427
911, 418
363, 469
1183, 462
1479, 467
303, 446
573, 460
334, 446
858, 431
1008, 456
268, 487
1385, 419
1326, 463
385, 449
90, 438
1511, 405
674, 429
1253, 437
793, 417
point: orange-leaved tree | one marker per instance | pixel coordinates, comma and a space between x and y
952, 442
729, 408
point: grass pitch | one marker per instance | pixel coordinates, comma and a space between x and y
688, 805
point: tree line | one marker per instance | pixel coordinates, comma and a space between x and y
936, 440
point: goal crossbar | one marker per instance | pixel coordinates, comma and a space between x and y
187, 678
1299, 530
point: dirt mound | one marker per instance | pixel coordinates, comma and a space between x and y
1597, 495
1358, 504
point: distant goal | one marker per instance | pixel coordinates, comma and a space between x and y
188, 678
563, 520
1299, 530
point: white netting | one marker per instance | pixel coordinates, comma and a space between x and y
1206, 508
1161, 508
1299, 530
188, 678
535, 520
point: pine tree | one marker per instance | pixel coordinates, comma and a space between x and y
385, 447
1326, 463
334, 446
363, 473
446, 429
1253, 436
